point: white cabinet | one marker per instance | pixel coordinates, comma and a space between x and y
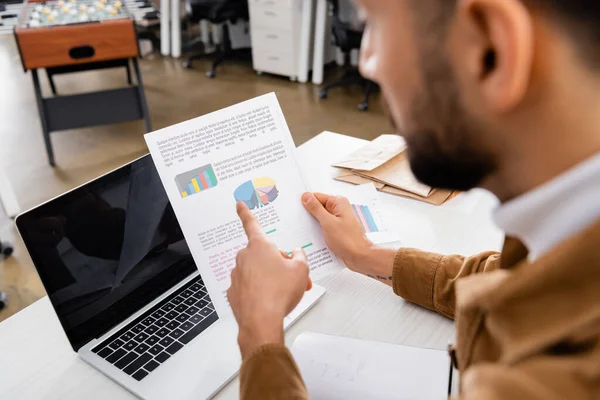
276, 30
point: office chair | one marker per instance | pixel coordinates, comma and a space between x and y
217, 12
347, 39
6, 250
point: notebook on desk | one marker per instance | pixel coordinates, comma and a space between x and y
342, 368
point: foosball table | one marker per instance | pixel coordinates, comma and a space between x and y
65, 36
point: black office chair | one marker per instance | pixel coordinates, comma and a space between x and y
218, 12
347, 39
5, 250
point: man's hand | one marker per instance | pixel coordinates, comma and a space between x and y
345, 236
343, 233
266, 285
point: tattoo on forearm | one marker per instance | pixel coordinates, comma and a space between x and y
381, 278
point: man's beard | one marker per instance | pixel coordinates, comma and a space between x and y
443, 141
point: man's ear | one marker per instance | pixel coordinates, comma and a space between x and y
494, 44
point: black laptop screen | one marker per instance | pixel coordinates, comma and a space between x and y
106, 249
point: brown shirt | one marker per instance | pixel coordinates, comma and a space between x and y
524, 330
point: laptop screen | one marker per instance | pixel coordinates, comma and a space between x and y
106, 249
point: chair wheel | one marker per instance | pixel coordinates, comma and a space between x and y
3, 300
211, 74
363, 106
323, 94
187, 64
6, 249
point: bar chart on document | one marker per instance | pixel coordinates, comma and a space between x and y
196, 180
364, 215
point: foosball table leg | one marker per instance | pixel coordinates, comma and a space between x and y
42, 112
51, 80
128, 68
142, 95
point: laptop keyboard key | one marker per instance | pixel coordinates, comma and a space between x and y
162, 357
151, 329
168, 307
148, 321
162, 322
190, 301
196, 330
176, 333
141, 374
201, 303
152, 340
137, 329
155, 350
116, 344
151, 366
177, 300
137, 364
158, 314
181, 308
142, 348
105, 352
182, 317
127, 337
162, 332
196, 318
141, 337
171, 314
186, 293
130, 345
172, 325
166, 341
195, 287
186, 326
205, 312
174, 348
114, 357
125, 361
192, 310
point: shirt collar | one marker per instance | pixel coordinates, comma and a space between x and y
551, 213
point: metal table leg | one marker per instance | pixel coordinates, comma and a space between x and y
42, 112
142, 95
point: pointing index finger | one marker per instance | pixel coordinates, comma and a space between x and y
250, 223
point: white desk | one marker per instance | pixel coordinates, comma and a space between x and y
37, 362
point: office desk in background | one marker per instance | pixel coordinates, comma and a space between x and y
37, 361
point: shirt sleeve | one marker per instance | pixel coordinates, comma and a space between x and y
270, 373
544, 377
427, 279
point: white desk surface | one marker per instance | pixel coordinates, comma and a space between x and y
36, 360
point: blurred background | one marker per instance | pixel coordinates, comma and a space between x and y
83, 80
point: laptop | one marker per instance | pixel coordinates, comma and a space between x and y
120, 276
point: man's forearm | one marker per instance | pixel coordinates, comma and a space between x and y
376, 262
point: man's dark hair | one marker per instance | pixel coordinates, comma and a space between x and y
581, 19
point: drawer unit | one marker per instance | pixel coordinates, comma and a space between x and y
273, 40
272, 3
272, 17
276, 28
280, 64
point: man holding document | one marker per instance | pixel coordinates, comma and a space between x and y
498, 94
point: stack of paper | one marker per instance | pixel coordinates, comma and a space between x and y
385, 163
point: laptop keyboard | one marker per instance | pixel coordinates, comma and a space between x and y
150, 340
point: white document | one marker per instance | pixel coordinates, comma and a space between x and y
241, 153
350, 369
